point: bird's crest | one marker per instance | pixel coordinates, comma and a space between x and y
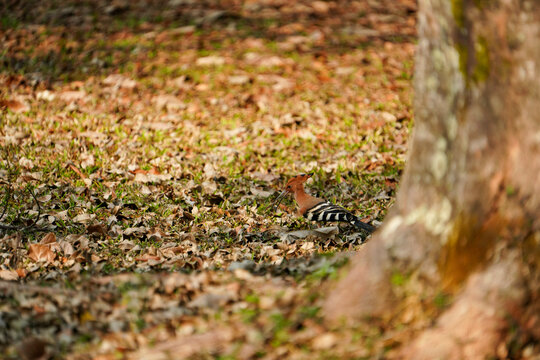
299, 179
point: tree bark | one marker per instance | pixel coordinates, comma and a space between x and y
470, 197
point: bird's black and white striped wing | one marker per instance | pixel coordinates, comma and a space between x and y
326, 211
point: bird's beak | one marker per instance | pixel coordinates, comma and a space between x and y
310, 174
278, 199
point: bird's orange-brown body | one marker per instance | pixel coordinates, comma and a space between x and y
303, 199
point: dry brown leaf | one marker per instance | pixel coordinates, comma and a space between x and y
152, 171
95, 258
324, 233
184, 347
150, 178
21, 272
26, 163
77, 171
48, 239
9, 275
97, 229
84, 218
45, 95
238, 79
147, 257
71, 96
14, 105
41, 253
119, 81
32, 348
324, 341
268, 177
66, 247
210, 61
168, 102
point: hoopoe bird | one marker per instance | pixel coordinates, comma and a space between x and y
316, 209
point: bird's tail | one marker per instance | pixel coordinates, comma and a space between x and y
362, 225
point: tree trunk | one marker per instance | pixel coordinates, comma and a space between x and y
466, 217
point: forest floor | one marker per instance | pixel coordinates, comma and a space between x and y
142, 145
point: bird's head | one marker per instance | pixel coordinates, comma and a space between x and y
292, 185
297, 181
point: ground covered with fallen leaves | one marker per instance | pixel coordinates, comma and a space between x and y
142, 146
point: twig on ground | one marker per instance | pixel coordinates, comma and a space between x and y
32, 227
6, 201
39, 209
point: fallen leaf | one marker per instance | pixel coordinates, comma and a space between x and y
97, 229
238, 79
9, 275
152, 171
48, 239
210, 61
71, 96
209, 171
151, 178
41, 253
268, 177
84, 218
32, 349
324, 233
147, 257
77, 171
261, 193
320, 6
324, 341
14, 105
26, 163
137, 231
66, 247
184, 347
22, 272
210, 300
45, 95
209, 187
119, 81
387, 116
168, 102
